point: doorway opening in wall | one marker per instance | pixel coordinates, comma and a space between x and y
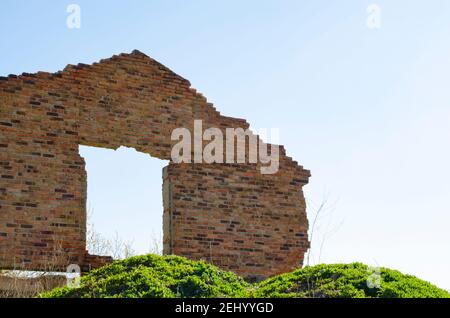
124, 202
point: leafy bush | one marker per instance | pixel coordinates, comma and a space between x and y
347, 280
152, 276
174, 276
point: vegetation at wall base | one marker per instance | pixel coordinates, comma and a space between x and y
348, 281
153, 276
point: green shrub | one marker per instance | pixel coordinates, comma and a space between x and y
156, 276
349, 281
153, 276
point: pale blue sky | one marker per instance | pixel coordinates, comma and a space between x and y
367, 111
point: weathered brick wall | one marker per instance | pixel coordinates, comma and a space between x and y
228, 214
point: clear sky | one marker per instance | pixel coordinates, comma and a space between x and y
366, 110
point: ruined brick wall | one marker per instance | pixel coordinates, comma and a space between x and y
228, 214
